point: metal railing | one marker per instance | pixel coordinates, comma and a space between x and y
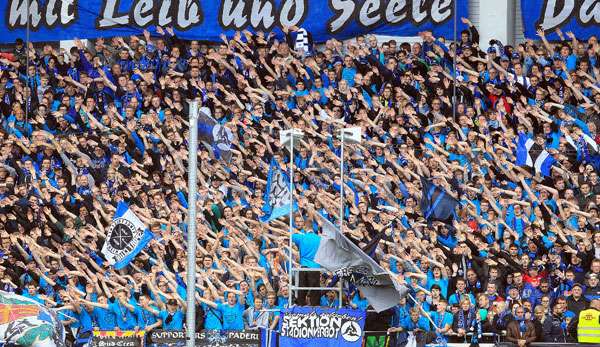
294, 287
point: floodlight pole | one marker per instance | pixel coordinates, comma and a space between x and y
191, 230
294, 134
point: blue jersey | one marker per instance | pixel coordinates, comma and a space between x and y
144, 317
85, 320
441, 321
172, 321
233, 316
104, 319
125, 318
307, 244
213, 319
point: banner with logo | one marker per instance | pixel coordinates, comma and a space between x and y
52, 20
24, 322
117, 338
277, 196
209, 338
582, 17
125, 238
322, 327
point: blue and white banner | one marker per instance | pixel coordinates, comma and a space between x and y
217, 136
53, 20
126, 237
534, 155
582, 17
277, 197
321, 327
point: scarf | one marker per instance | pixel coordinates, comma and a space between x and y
522, 325
476, 325
462, 323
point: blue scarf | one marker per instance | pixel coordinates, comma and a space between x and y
522, 325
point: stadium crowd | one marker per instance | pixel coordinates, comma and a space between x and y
86, 128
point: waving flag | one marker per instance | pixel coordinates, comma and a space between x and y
533, 155
217, 136
24, 322
126, 237
524, 144
277, 197
436, 203
338, 254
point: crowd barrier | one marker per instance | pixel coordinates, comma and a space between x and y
254, 338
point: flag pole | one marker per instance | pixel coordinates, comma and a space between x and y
191, 230
342, 183
424, 312
454, 64
291, 218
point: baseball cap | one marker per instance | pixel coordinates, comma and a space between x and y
491, 50
516, 55
504, 58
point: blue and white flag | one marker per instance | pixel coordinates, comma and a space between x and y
126, 237
533, 155
524, 144
277, 197
217, 136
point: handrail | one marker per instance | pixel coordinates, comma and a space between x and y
296, 279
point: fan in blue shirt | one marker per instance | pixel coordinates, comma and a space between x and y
123, 311
442, 318
104, 319
145, 313
414, 323
172, 317
232, 311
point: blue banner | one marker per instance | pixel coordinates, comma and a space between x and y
277, 194
582, 17
321, 327
53, 20
215, 135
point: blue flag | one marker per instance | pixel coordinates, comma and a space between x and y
126, 237
217, 136
436, 203
277, 196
